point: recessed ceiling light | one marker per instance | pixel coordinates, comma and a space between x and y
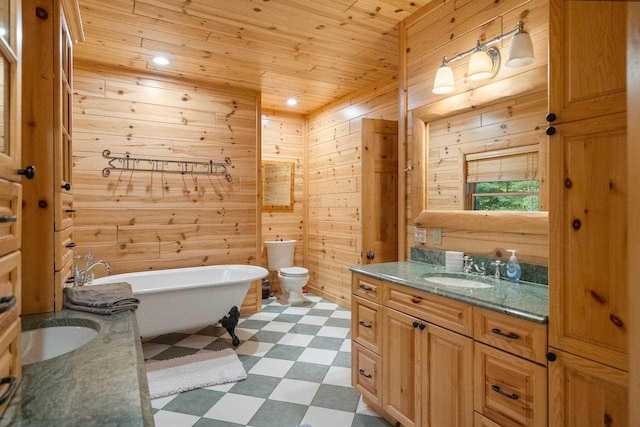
292, 101
160, 60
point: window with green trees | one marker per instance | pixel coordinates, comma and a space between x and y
505, 196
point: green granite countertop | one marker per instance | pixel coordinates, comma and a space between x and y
102, 383
527, 301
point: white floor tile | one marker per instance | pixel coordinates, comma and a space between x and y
346, 346
325, 306
341, 315
338, 376
174, 419
243, 334
254, 348
313, 320
296, 310
264, 315
235, 408
322, 417
272, 367
150, 349
295, 391
159, 403
313, 298
196, 341
333, 332
316, 355
278, 326
298, 340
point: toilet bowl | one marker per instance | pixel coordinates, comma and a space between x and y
292, 279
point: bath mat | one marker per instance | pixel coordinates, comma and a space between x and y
173, 376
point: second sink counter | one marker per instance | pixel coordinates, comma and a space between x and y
527, 301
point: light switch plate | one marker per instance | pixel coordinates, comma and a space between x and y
437, 236
419, 235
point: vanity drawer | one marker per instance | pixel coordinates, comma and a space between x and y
509, 390
480, 421
367, 287
447, 313
10, 220
366, 323
517, 336
9, 360
65, 212
65, 247
366, 373
10, 267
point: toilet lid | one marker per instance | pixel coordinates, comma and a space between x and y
294, 271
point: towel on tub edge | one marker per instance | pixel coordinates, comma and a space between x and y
104, 300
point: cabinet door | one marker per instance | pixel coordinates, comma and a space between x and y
587, 61
583, 393
10, 91
401, 372
64, 109
588, 312
447, 378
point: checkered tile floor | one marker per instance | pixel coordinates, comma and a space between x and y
298, 363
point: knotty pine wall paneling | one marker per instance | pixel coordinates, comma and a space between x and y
152, 220
445, 28
283, 140
335, 141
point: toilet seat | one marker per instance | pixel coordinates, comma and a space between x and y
294, 272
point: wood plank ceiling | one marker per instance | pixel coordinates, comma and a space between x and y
314, 50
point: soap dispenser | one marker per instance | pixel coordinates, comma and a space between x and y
513, 268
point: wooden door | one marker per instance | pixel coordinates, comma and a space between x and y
587, 252
447, 378
587, 60
10, 198
379, 191
583, 393
401, 372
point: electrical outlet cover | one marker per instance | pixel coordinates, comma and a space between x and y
437, 236
420, 235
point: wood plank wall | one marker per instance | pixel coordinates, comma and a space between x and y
334, 235
445, 28
283, 140
149, 220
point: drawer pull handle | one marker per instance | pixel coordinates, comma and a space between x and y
70, 245
365, 287
13, 383
6, 303
8, 218
497, 389
416, 300
70, 210
364, 325
364, 374
509, 335
70, 279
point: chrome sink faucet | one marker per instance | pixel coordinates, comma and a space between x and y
497, 263
85, 276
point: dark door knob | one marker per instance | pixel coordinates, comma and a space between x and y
66, 186
550, 131
370, 255
551, 117
29, 172
551, 357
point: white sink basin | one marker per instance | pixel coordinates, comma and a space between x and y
458, 282
46, 343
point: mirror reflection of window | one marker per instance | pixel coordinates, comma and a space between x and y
277, 184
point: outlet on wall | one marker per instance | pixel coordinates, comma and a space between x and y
437, 236
419, 235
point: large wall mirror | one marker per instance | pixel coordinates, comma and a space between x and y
490, 159
277, 185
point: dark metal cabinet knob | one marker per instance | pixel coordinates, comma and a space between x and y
29, 172
551, 117
416, 324
370, 255
551, 357
66, 186
422, 326
550, 131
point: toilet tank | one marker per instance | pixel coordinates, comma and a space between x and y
280, 253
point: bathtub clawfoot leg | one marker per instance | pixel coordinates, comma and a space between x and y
229, 322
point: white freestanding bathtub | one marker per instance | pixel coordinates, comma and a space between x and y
185, 298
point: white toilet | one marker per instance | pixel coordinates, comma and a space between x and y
292, 279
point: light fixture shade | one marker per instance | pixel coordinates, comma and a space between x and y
443, 82
520, 51
480, 66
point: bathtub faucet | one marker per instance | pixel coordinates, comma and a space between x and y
85, 275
